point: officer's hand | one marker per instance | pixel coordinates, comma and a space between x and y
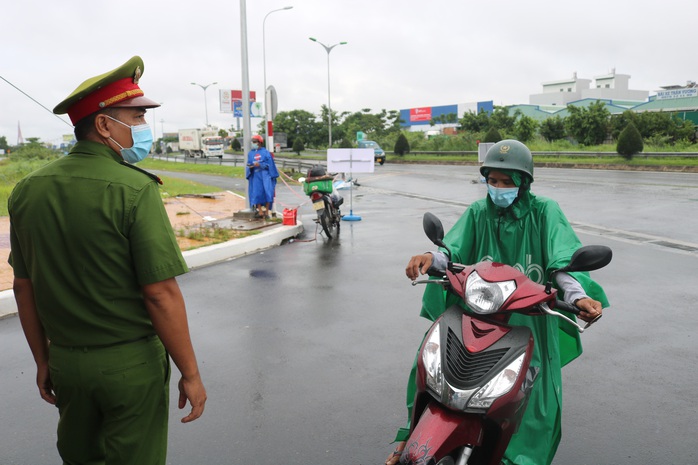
43, 381
419, 264
195, 393
590, 308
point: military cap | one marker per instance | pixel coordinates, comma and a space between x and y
116, 88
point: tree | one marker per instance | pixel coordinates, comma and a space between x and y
590, 125
448, 118
501, 120
402, 145
629, 142
475, 122
301, 124
298, 146
553, 129
376, 126
525, 128
33, 149
3, 143
235, 145
492, 135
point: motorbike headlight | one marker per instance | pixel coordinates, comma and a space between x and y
498, 386
431, 357
484, 297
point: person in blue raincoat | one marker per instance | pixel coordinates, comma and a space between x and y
261, 174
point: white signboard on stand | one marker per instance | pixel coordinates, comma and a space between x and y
350, 160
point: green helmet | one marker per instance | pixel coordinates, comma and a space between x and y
509, 155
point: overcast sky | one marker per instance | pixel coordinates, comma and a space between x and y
400, 54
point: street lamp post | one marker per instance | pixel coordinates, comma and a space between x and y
329, 106
155, 128
270, 139
205, 103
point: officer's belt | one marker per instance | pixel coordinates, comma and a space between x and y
106, 346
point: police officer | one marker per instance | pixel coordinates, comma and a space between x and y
95, 260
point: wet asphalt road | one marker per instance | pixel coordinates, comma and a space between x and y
305, 348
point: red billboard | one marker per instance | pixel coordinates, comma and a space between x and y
237, 95
420, 114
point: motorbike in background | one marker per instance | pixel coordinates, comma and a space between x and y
318, 185
474, 376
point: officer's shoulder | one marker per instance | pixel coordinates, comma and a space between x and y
143, 172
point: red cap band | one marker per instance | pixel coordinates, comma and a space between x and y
107, 96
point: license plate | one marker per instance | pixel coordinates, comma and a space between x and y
318, 205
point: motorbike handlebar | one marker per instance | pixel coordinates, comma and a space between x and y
562, 305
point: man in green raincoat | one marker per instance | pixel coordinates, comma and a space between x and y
513, 226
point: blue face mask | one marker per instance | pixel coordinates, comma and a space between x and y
503, 196
255, 146
142, 142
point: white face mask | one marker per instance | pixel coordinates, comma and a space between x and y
142, 142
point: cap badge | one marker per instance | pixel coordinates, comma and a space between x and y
137, 74
504, 149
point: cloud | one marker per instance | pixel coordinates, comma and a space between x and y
399, 54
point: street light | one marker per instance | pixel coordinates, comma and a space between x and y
329, 107
264, 62
205, 103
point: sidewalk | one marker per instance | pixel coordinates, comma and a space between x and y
221, 209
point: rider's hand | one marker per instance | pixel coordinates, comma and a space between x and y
590, 308
419, 264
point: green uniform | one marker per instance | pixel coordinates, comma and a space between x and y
534, 236
89, 231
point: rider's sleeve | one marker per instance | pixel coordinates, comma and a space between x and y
571, 288
439, 262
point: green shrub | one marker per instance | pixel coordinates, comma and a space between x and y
492, 135
629, 142
298, 146
402, 145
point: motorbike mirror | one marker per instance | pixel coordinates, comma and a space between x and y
434, 229
301, 180
589, 258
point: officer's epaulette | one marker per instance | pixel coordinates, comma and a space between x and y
152, 176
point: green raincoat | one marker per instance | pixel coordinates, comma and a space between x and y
534, 236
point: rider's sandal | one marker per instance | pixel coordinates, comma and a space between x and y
394, 458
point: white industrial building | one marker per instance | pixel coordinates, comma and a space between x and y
610, 86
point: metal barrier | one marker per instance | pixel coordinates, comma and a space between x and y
239, 160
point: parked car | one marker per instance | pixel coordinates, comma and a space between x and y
378, 152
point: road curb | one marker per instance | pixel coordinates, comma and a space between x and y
197, 258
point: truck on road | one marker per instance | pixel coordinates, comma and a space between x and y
202, 143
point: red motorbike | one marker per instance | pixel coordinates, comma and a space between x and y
473, 375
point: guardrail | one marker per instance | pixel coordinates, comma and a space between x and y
238, 160
569, 154
302, 165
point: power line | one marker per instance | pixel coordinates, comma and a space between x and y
33, 100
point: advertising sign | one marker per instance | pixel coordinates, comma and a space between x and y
677, 93
420, 114
227, 99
